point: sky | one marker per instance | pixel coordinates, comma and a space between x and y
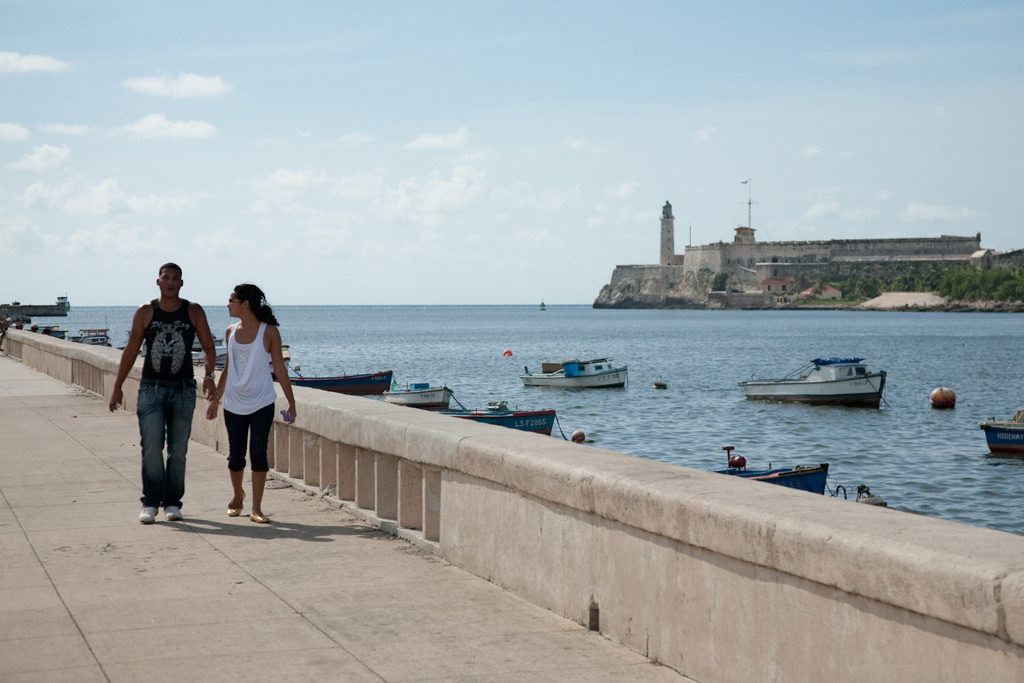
422, 153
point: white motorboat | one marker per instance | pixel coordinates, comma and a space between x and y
835, 381
596, 373
94, 337
420, 395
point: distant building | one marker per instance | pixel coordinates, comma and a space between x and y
781, 288
826, 293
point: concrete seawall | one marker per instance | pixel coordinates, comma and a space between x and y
720, 579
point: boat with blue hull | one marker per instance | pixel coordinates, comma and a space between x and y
371, 384
498, 413
1005, 437
810, 478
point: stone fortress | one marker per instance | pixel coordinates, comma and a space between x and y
758, 274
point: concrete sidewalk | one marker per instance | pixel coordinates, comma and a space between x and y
89, 594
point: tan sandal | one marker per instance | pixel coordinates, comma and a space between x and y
235, 512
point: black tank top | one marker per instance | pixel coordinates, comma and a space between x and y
169, 338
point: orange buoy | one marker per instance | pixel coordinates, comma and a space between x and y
507, 352
578, 436
942, 398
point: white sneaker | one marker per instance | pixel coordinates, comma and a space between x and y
172, 513
147, 516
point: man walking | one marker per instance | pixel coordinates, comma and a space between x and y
167, 393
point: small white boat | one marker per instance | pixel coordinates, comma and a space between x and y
834, 381
94, 337
591, 374
420, 395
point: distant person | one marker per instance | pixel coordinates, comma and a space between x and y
167, 392
246, 389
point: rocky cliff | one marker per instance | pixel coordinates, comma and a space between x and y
655, 287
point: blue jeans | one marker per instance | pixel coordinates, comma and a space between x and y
164, 411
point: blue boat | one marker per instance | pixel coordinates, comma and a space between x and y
498, 413
802, 477
355, 385
1005, 437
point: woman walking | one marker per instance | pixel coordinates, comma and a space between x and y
246, 390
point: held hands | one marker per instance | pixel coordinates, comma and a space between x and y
210, 389
211, 410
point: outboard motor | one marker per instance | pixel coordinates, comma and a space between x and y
864, 495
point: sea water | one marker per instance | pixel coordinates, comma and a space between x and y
920, 460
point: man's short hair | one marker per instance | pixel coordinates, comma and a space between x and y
170, 265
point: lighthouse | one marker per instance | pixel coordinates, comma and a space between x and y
668, 235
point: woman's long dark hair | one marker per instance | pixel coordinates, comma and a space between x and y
257, 302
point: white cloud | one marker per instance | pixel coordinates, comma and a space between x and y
538, 240
822, 210
105, 198
160, 204
918, 212
157, 126
574, 143
424, 202
43, 158
13, 132
277, 191
704, 135
362, 186
304, 133
12, 62
811, 151
184, 85
862, 214
353, 140
553, 200
452, 140
64, 129
111, 239
626, 189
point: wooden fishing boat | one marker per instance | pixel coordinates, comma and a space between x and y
802, 477
420, 395
1005, 437
498, 413
591, 374
371, 384
832, 381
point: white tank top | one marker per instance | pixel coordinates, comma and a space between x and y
249, 385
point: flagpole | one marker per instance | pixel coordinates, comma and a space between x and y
750, 201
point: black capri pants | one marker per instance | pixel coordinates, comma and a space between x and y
255, 426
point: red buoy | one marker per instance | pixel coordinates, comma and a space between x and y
508, 352
578, 436
942, 398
